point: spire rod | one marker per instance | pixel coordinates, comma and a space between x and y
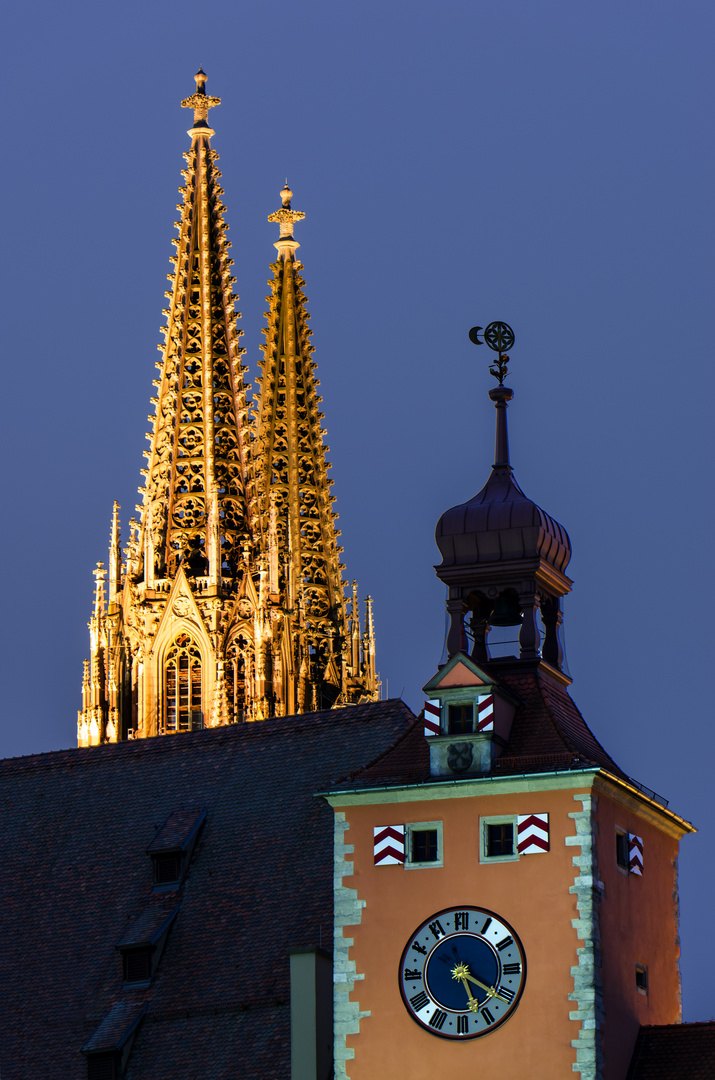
200, 102
286, 218
500, 395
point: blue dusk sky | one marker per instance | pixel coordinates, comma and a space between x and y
548, 163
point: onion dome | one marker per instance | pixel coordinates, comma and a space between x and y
500, 523
504, 561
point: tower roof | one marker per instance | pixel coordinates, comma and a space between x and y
500, 523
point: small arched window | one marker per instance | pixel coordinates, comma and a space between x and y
182, 698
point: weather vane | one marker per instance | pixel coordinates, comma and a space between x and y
499, 336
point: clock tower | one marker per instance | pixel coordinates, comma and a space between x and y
506, 896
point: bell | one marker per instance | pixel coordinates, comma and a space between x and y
506, 610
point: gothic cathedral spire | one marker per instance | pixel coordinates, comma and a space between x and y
229, 605
296, 519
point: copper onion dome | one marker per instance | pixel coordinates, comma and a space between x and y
500, 523
504, 562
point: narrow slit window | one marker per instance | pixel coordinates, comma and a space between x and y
622, 849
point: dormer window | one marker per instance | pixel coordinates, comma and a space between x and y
167, 867
102, 1067
142, 943
136, 965
170, 850
108, 1048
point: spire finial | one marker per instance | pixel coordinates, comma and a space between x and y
200, 102
499, 337
286, 218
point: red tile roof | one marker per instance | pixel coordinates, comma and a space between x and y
674, 1052
76, 827
548, 733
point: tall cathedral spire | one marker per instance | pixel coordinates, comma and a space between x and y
229, 605
195, 508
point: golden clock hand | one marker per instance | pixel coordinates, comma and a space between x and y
490, 990
460, 972
473, 1003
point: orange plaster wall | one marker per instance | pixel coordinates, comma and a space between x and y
531, 894
638, 920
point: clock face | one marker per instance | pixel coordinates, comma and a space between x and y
462, 973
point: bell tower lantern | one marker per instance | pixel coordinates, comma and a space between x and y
503, 557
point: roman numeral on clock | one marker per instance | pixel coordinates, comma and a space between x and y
511, 969
419, 1001
411, 975
461, 920
504, 943
419, 948
486, 926
505, 993
487, 1016
462, 1025
437, 929
437, 1019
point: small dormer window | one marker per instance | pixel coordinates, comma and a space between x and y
461, 719
170, 850
137, 965
167, 867
102, 1067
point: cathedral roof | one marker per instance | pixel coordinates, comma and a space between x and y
674, 1051
77, 882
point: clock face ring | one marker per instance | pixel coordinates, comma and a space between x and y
462, 973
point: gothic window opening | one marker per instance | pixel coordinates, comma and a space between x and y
183, 706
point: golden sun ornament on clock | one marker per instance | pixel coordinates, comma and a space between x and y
462, 973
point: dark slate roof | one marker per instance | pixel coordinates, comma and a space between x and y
674, 1052
548, 733
76, 876
116, 1027
150, 924
177, 831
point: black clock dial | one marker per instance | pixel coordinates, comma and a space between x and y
462, 973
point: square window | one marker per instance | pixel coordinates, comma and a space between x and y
423, 844
622, 849
641, 979
500, 839
497, 839
461, 719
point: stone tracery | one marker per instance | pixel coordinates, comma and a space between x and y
237, 528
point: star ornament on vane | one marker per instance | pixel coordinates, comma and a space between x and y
499, 336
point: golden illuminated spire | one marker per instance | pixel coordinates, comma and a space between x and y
195, 506
229, 604
293, 489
